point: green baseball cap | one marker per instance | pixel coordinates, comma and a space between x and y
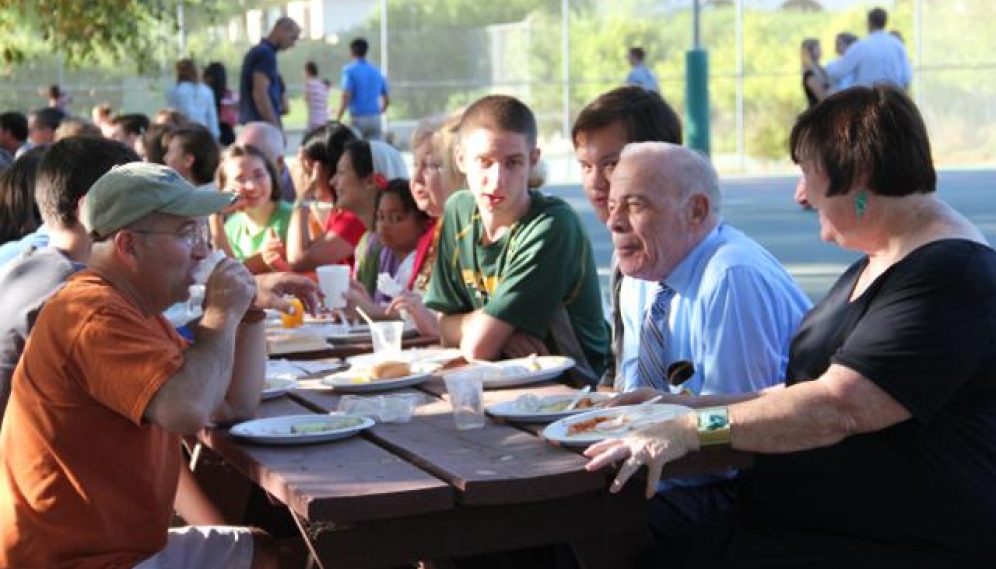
132, 191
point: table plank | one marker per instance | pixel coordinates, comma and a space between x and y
347, 480
472, 530
494, 464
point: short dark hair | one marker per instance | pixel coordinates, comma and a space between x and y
18, 209
196, 140
311, 68
637, 53
240, 150
48, 117
500, 112
359, 47
867, 132
360, 157
16, 124
154, 141
69, 168
645, 114
877, 18
326, 143
134, 124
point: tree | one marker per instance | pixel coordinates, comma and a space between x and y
97, 30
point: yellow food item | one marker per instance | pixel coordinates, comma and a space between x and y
390, 370
294, 318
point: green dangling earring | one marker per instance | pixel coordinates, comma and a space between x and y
860, 203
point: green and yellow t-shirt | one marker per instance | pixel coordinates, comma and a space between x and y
544, 261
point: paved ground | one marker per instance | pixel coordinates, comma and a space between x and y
763, 208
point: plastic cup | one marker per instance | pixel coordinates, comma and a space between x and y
333, 280
466, 396
386, 337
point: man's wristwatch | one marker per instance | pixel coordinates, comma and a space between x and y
713, 426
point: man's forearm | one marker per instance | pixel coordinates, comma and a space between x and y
265, 107
248, 374
451, 329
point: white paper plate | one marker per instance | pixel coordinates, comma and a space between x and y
509, 373
512, 411
277, 386
425, 356
277, 430
557, 431
350, 382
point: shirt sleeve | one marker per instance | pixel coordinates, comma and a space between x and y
540, 272
748, 324
446, 291
923, 337
846, 64
347, 226
124, 359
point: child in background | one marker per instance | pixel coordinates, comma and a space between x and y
399, 226
316, 96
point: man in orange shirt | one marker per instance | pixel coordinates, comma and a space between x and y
89, 448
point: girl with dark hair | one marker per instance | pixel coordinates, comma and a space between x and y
226, 104
256, 228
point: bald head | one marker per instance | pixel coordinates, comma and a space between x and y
679, 169
285, 33
265, 137
663, 201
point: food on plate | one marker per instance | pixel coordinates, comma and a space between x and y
390, 370
305, 428
532, 363
529, 403
334, 424
588, 425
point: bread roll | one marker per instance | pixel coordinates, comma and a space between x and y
390, 370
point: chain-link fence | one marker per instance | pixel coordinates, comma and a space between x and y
755, 79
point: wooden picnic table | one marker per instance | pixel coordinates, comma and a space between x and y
424, 490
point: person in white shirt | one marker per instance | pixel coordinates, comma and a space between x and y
316, 95
879, 57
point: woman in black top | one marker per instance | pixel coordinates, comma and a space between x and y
880, 447
815, 82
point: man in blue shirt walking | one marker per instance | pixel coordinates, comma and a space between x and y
364, 93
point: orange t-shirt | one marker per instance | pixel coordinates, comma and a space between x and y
84, 482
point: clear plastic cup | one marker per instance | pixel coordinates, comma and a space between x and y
386, 338
333, 280
466, 393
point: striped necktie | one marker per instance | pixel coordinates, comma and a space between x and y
651, 366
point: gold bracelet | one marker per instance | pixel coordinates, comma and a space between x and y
714, 426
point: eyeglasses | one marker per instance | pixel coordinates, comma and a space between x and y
192, 235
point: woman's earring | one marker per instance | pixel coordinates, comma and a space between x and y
860, 203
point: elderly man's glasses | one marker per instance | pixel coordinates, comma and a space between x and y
192, 235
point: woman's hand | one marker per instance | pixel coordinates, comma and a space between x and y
410, 303
273, 251
357, 296
654, 446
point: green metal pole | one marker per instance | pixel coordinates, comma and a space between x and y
697, 100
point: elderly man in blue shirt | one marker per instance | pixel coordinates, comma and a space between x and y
721, 315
